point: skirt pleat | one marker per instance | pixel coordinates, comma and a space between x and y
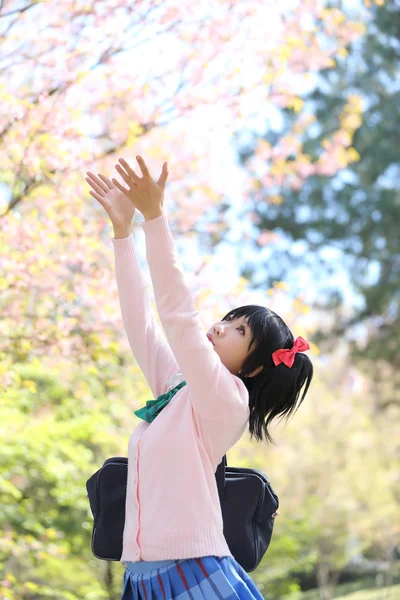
205, 578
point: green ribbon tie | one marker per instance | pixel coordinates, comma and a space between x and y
153, 407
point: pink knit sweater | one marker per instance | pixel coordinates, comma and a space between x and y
172, 504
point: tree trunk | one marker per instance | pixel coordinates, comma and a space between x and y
327, 580
109, 580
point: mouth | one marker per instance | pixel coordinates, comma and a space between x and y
210, 338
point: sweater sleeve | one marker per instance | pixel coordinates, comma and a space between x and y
145, 336
216, 393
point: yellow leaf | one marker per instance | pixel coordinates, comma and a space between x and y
305, 309
3, 283
284, 53
352, 154
291, 39
77, 224
354, 103
342, 157
296, 104
30, 385
359, 28
314, 349
268, 77
29, 538
351, 122
82, 74
275, 199
32, 587
241, 285
134, 132
111, 383
278, 167
51, 533
25, 345
334, 15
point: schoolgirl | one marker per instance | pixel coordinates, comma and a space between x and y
208, 388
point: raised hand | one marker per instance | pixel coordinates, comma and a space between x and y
145, 194
117, 205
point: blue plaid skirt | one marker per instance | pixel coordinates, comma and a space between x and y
205, 578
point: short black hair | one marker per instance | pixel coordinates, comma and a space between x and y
275, 390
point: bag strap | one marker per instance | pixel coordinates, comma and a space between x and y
220, 476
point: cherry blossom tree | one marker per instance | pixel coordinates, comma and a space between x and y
77, 89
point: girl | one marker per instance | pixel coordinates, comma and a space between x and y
246, 370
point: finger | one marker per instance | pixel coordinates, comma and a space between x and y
106, 180
164, 176
98, 198
120, 187
125, 176
97, 181
129, 170
142, 165
94, 186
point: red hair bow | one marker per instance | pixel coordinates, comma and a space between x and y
286, 356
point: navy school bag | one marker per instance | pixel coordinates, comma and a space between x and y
247, 504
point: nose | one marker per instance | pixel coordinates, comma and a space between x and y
218, 329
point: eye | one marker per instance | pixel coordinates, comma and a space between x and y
229, 318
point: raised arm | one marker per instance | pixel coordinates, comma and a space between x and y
145, 337
216, 393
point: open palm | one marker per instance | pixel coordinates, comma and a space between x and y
117, 205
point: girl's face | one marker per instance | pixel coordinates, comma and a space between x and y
231, 339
